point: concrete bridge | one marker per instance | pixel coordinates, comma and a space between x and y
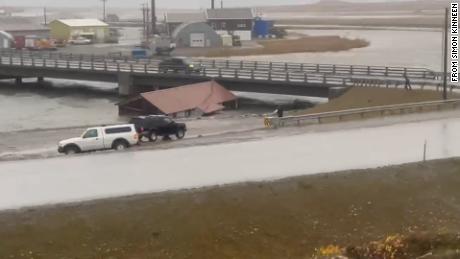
134, 76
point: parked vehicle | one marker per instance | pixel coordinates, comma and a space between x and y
80, 41
117, 137
178, 64
154, 126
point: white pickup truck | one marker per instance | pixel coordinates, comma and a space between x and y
117, 137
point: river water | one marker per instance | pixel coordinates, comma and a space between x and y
25, 109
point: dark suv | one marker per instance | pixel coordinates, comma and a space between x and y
153, 126
178, 65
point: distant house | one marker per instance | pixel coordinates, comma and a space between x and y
196, 35
235, 21
195, 99
173, 20
66, 29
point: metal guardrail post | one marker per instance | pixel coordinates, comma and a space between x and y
270, 65
317, 68
220, 72
386, 71
324, 79
305, 77
236, 73
241, 64
368, 70
333, 69
252, 73
269, 75
227, 63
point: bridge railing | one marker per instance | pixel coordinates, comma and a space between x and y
275, 122
334, 69
216, 71
148, 68
379, 71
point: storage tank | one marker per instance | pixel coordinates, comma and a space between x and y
262, 28
227, 40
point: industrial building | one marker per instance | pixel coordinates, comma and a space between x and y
22, 26
196, 35
234, 21
6, 40
93, 29
173, 20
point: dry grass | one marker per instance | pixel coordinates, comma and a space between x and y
283, 46
283, 219
361, 97
422, 22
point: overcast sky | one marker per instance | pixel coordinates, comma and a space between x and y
195, 4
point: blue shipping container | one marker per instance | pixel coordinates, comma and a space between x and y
262, 28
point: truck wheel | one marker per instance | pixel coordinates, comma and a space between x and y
70, 150
180, 134
120, 145
153, 136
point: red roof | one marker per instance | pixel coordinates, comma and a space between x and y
206, 96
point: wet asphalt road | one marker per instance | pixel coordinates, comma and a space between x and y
64, 179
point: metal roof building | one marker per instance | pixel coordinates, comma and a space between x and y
65, 29
200, 98
196, 35
235, 21
21, 26
230, 14
173, 20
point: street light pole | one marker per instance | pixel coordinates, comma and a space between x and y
446, 53
103, 10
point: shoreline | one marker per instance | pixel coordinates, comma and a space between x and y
296, 214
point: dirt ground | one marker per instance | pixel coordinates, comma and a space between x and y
283, 46
360, 97
282, 219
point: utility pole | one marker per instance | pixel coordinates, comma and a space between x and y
221, 4
103, 10
154, 18
44, 16
212, 4
144, 23
446, 53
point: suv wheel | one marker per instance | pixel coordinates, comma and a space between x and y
120, 145
70, 150
153, 136
180, 134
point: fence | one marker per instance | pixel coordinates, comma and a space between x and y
275, 122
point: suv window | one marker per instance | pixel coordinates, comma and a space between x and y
118, 130
91, 134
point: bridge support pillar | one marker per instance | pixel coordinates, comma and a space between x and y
18, 80
125, 84
40, 80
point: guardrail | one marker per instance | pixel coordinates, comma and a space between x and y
275, 122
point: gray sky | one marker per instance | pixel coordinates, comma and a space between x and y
195, 4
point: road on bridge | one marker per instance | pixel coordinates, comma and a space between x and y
62, 180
